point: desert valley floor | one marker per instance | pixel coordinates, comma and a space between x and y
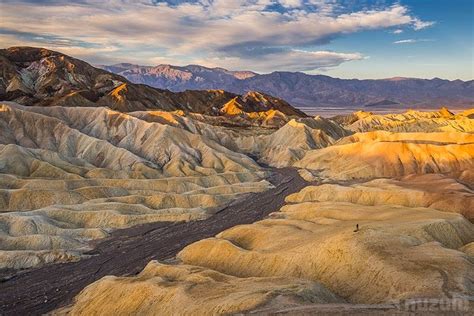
121, 199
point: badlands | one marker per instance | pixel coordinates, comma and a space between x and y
118, 198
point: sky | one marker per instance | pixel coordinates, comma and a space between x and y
340, 38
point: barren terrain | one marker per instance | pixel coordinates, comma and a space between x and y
118, 198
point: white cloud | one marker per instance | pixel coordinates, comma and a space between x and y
292, 60
412, 41
244, 31
406, 41
291, 3
397, 31
419, 25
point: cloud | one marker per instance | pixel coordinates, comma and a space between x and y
291, 3
290, 60
412, 41
397, 31
247, 32
419, 25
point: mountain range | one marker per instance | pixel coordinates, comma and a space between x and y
41, 77
306, 90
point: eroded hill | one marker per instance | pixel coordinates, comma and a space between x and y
69, 175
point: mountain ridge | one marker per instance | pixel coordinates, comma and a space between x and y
37, 76
303, 89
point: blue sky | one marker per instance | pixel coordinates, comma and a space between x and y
341, 38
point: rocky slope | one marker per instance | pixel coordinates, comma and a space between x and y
387, 221
306, 90
36, 76
69, 175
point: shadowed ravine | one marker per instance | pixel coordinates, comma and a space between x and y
127, 251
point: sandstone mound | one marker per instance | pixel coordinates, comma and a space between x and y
191, 290
381, 154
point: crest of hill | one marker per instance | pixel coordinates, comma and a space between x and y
37, 76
